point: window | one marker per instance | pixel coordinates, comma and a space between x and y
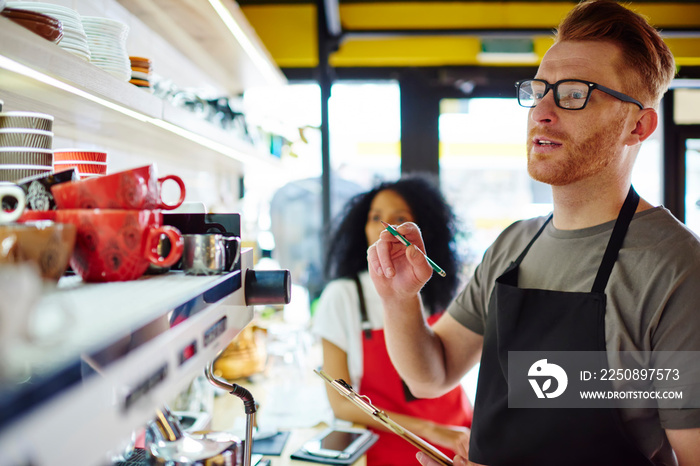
483, 169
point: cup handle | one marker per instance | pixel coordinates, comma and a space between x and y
232, 262
214, 226
18, 194
176, 246
180, 183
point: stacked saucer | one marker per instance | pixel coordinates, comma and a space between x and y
141, 70
25, 144
43, 25
107, 40
74, 39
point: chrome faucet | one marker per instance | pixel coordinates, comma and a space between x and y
248, 403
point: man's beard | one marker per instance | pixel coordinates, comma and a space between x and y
583, 159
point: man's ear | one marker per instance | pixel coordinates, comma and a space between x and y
647, 120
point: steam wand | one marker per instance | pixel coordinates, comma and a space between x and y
248, 403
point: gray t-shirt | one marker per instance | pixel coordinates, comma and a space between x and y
652, 295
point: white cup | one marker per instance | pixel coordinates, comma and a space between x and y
16, 193
21, 283
24, 324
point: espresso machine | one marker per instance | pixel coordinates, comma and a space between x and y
167, 444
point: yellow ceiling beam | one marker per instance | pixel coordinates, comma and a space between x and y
685, 50
407, 51
455, 15
288, 31
451, 15
290, 34
423, 51
670, 15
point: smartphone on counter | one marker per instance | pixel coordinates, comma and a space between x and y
337, 442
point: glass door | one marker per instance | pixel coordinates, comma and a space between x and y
692, 184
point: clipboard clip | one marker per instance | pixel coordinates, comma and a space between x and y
347, 391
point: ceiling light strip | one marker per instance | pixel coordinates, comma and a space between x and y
261, 61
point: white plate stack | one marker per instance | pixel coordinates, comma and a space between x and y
74, 39
107, 40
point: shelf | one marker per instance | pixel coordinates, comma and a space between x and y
216, 36
129, 347
112, 353
90, 105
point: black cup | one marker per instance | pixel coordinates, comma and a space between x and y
37, 188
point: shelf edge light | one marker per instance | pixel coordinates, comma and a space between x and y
24, 70
251, 49
206, 142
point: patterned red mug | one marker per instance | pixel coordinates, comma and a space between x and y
134, 189
118, 245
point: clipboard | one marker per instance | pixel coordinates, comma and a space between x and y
365, 404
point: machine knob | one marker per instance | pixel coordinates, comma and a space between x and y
268, 287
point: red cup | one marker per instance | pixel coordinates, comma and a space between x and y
135, 189
84, 168
118, 245
36, 215
79, 155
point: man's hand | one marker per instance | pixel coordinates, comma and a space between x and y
460, 459
448, 436
398, 272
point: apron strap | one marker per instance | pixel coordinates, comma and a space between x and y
616, 238
367, 331
539, 232
366, 326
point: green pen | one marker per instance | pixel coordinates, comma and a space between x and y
407, 243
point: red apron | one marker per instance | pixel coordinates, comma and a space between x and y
382, 384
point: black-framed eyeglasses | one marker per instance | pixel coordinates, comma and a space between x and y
569, 94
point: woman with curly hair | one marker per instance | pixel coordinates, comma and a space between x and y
349, 318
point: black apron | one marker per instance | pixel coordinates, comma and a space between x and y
546, 320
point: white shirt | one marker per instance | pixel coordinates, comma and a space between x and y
338, 319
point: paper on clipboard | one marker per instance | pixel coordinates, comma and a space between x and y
365, 404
